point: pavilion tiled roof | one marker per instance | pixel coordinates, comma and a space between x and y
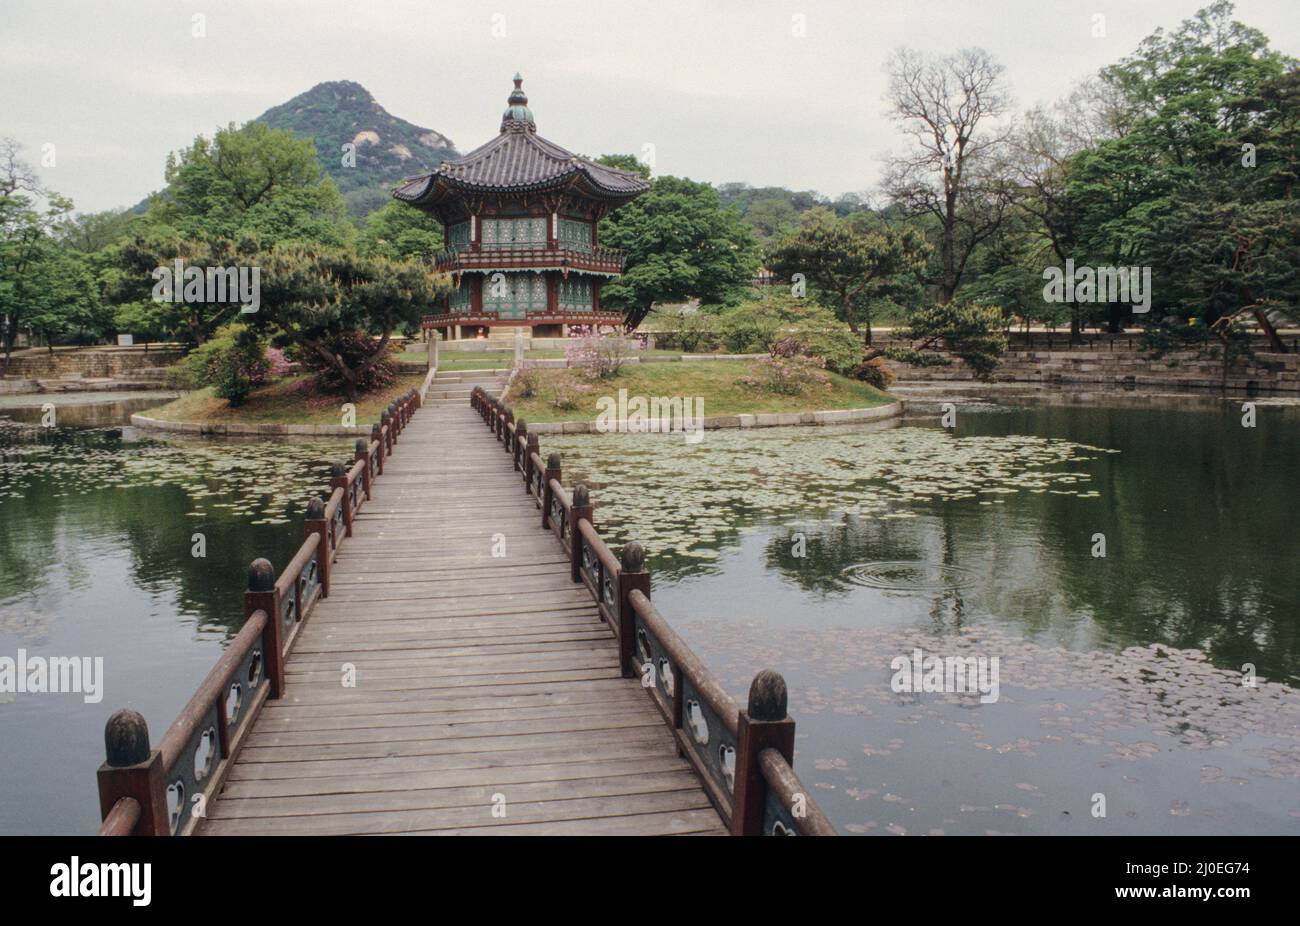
520, 160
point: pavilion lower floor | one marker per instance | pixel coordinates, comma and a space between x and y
483, 326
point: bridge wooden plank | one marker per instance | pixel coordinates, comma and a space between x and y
578, 810
476, 675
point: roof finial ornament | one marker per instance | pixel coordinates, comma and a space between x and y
517, 115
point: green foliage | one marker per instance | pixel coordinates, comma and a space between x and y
375, 365
756, 326
145, 321
398, 232
625, 162
154, 246
970, 331
316, 298
690, 333
845, 265
233, 362
44, 287
1175, 191
680, 244
250, 181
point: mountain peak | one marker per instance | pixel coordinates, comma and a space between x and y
339, 90
365, 148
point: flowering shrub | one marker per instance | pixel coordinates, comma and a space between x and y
351, 347
596, 358
528, 382
875, 372
784, 376
277, 363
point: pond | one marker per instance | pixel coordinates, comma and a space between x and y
117, 545
825, 553
1122, 556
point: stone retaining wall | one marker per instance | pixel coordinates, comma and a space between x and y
94, 362
1184, 369
766, 420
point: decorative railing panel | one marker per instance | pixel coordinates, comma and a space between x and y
722, 742
164, 791
189, 778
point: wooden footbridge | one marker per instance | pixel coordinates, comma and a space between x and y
440, 661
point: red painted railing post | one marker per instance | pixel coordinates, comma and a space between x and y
262, 596
362, 455
632, 577
133, 769
552, 472
316, 524
339, 480
579, 511
763, 725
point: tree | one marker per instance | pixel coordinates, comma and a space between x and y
1038, 163
94, 231
154, 247
1199, 187
318, 298
680, 244
945, 105
772, 218
252, 179
64, 305
399, 232
847, 265
970, 331
29, 262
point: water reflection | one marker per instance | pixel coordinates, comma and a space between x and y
830, 552
98, 557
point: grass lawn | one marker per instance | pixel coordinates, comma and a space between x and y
713, 380
284, 402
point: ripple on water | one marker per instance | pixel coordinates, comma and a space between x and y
896, 576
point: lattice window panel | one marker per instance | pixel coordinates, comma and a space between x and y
575, 294
575, 235
519, 233
461, 297
515, 295
458, 236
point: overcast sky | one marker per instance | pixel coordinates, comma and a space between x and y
722, 90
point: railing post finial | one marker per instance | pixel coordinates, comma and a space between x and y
768, 697
632, 557
261, 576
126, 738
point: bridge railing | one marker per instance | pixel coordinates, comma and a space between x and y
744, 756
145, 791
